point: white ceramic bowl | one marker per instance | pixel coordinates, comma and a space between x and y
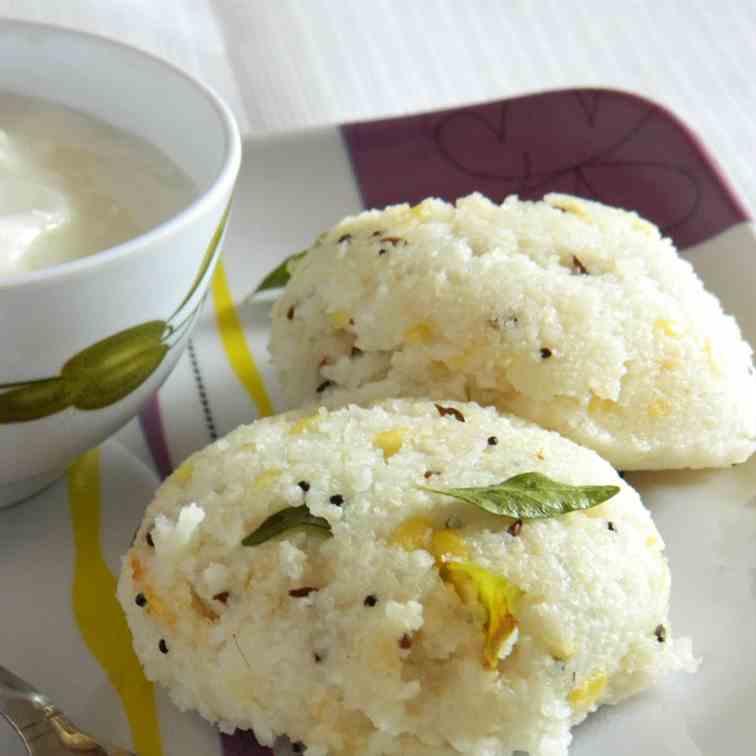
84, 344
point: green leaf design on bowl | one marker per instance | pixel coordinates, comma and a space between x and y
112, 368
108, 371
206, 260
36, 399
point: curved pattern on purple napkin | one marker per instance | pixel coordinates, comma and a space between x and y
607, 145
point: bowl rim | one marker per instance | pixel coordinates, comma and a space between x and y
198, 205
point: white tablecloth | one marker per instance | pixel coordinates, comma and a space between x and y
288, 64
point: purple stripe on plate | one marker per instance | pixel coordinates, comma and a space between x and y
151, 422
243, 744
607, 145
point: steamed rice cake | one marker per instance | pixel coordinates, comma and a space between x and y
402, 621
575, 315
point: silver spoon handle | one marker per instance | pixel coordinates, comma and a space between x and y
43, 729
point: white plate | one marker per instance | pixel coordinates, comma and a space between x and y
614, 146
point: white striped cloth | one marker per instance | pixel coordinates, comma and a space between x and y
289, 64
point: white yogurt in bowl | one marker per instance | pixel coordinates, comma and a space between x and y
72, 185
85, 343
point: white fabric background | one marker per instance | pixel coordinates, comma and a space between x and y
288, 64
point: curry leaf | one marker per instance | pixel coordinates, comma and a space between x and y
286, 519
279, 277
531, 496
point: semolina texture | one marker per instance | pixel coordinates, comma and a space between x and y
423, 625
575, 315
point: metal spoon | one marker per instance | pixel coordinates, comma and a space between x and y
43, 728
